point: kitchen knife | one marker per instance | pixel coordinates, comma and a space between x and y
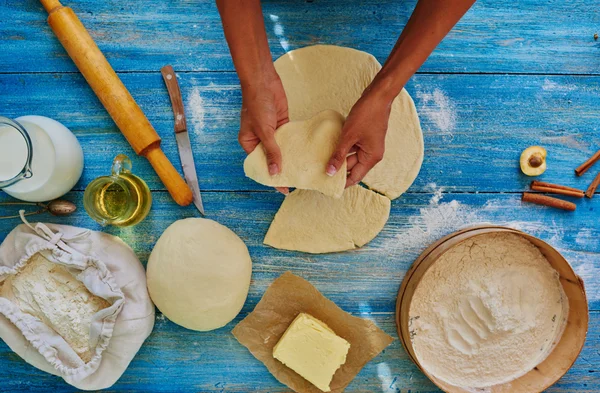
182, 136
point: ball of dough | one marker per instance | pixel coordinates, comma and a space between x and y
199, 274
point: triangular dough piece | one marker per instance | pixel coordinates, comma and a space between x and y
333, 77
306, 147
311, 222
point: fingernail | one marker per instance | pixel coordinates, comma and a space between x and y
331, 170
286, 192
273, 169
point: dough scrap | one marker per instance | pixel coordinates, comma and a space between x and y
332, 77
199, 274
309, 221
306, 147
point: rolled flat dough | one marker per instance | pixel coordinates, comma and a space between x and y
322, 77
199, 274
311, 222
306, 147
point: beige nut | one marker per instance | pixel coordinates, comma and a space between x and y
533, 161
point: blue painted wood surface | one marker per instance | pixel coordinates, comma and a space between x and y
495, 36
510, 75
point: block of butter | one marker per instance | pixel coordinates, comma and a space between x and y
312, 349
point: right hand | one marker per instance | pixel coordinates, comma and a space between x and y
264, 109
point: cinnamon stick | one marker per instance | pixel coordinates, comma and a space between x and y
556, 189
592, 188
548, 201
558, 186
588, 164
559, 191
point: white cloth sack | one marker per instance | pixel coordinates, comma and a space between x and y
109, 269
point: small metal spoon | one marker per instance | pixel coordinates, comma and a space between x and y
58, 207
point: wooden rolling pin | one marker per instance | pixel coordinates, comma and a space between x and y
114, 96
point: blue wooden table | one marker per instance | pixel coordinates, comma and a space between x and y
510, 75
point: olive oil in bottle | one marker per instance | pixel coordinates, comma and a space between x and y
121, 199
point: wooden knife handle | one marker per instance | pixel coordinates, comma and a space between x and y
177, 187
175, 95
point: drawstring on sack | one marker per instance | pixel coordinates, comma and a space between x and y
55, 238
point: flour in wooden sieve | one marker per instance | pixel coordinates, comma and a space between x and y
487, 312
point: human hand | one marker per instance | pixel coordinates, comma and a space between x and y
363, 135
264, 109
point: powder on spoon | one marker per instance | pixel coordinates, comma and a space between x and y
487, 312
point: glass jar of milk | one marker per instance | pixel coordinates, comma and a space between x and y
40, 159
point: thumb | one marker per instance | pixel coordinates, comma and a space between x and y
273, 154
339, 155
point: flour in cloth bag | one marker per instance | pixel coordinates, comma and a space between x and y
49, 292
73, 302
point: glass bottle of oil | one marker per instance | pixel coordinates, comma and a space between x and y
121, 199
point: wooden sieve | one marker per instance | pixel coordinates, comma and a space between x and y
566, 350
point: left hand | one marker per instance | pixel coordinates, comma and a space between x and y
364, 134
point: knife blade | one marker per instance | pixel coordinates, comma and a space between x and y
181, 135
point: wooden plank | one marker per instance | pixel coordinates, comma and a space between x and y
528, 36
375, 271
174, 359
366, 283
475, 126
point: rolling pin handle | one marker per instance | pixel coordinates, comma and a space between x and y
177, 187
50, 5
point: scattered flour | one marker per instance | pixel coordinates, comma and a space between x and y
438, 109
553, 86
438, 194
587, 266
510, 41
439, 219
160, 317
584, 236
196, 111
434, 222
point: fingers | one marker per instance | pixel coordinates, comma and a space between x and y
249, 146
272, 152
339, 155
356, 174
282, 121
352, 160
363, 164
248, 141
283, 190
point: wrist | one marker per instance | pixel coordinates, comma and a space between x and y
386, 87
259, 80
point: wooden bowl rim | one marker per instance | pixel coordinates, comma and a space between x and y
447, 241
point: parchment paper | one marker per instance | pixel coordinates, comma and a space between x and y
288, 296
